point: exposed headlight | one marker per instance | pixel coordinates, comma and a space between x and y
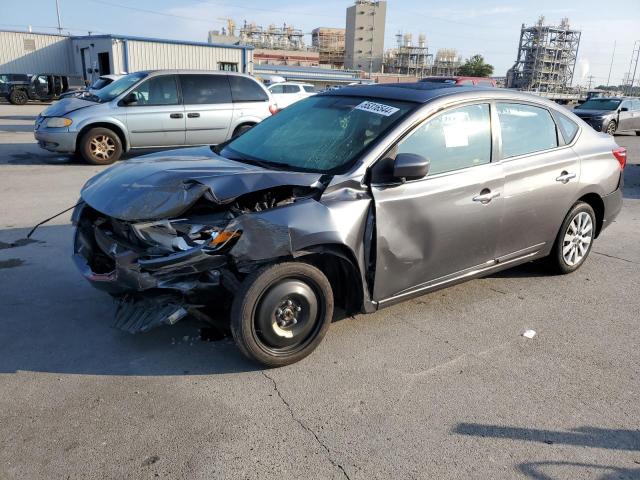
58, 122
180, 235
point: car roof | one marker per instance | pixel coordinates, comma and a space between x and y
188, 71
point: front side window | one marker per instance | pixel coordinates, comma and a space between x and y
525, 129
322, 133
160, 90
244, 89
626, 104
455, 139
205, 89
118, 87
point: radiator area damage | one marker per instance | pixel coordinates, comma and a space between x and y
176, 237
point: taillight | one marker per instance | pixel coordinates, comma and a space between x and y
273, 109
621, 155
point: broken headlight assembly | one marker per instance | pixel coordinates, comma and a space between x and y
180, 235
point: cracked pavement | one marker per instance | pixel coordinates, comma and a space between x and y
443, 386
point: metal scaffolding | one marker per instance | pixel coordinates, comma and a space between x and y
446, 63
330, 45
409, 59
546, 58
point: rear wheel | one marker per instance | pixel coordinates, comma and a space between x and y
18, 97
575, 239
241, 129
100, 146
281, 313
611, 128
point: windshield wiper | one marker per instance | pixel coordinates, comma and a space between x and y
252, 161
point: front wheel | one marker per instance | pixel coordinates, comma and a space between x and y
18, 97
611, 128
281, 313
100, 146
574, 240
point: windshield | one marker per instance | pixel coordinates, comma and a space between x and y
320, 134
599, 104
116, 88
100, 83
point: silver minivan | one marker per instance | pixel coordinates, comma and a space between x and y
151, 109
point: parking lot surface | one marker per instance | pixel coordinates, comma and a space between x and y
443, 386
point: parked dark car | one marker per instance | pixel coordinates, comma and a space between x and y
359, 198
19, 89
458, 80
611, 114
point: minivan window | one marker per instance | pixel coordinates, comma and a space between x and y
244, 89
291, 88
118, 87
161, 90
291, 139
525, 129
277, 89
567, 126
309, 88
455, 139
205, 89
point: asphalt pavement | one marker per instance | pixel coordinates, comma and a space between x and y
443, 386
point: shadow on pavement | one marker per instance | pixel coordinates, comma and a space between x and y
612, 439
542, 471
26, 118
53, 321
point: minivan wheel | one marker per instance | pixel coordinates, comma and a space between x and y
241, 129
281, 313
100, 146
575, 239
611, 128
18, 97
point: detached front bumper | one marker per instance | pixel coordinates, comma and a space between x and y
59, 140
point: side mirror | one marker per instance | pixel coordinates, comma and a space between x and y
624, 109
129, 99
410, 166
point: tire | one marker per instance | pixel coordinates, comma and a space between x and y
611, 127
241, 129
270, 330
100, 146
562, 259
18, 97
638, 132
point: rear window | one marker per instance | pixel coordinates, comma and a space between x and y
309, 89
205, 89
244, 89
525, 129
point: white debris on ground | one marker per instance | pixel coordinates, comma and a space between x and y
529, 333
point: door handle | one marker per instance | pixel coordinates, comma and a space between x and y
486, 196
176, 115
193, 115
565, 177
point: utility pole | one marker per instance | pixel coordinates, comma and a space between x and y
611, 66
636, 53
58, 13
590, 77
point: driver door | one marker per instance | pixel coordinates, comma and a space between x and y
437, 228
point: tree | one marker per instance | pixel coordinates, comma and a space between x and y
475, 67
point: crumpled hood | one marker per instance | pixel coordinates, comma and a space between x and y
165, 185
66, 105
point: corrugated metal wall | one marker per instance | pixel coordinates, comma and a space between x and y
35, 53
156, 55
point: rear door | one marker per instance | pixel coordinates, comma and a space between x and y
250, 100
434, 229
541, 179
208, 107
156, 118
625, 119
635, 110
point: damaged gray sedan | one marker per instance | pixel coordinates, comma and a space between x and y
355, 199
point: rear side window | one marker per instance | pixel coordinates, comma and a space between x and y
567, 126
525, 129
205, 89
455, 139
277, 89
244, 89
309, 89
635, 104
291, 88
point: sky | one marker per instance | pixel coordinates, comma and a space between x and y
489, 27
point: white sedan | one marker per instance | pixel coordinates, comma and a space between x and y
286, 93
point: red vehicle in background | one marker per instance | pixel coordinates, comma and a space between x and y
477, 81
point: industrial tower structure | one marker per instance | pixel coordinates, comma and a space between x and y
546, 58
407, 58
364, 36
330, 45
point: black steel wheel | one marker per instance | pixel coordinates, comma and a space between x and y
281, 313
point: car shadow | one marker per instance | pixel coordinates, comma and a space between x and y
29, 118
631, 187
55, 322
547, 470
536, 268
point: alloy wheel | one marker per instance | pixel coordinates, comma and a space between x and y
102, 147
577, 239
611, 128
